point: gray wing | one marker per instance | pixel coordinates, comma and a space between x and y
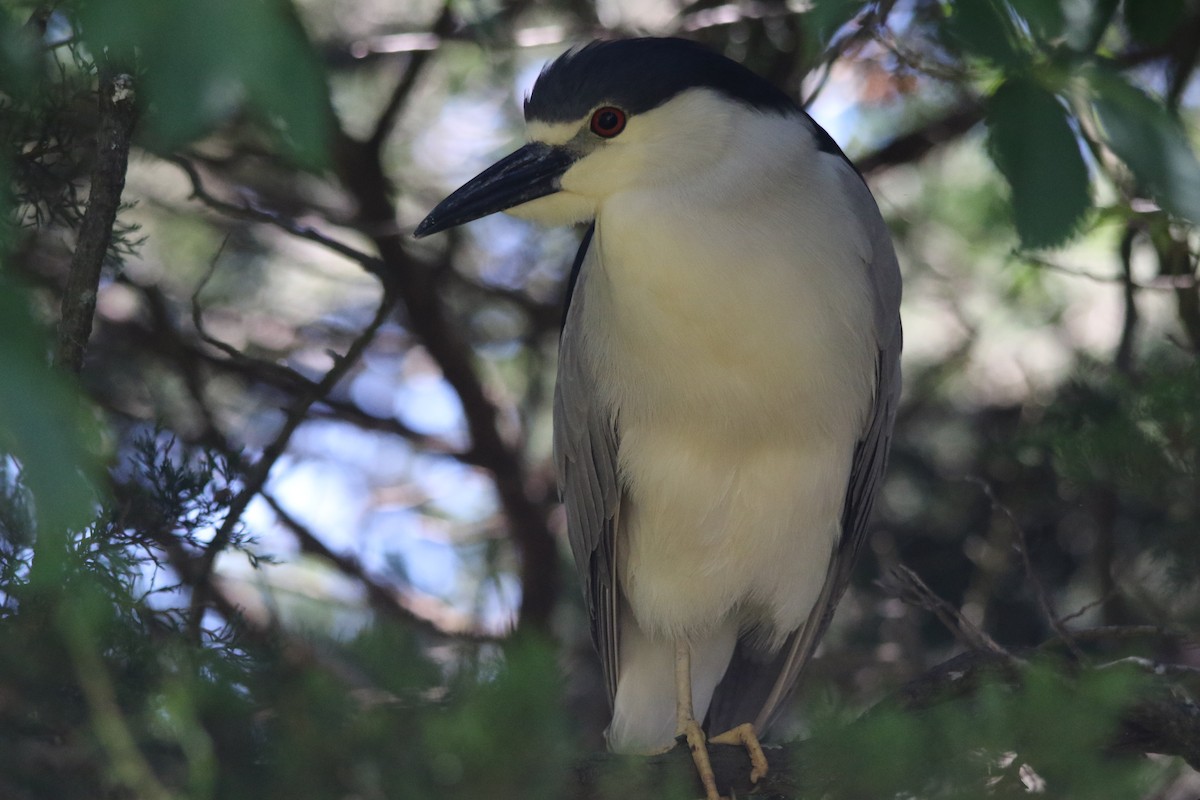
757, 683
585, 455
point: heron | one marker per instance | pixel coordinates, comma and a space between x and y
728, 375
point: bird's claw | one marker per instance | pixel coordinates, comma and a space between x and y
746, 736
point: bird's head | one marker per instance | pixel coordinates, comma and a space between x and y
611, 116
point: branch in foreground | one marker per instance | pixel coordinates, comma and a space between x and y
1156, 723
117, 114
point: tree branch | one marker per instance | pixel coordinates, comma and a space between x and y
256, 476
1158, 723
416, 62
249, 212
907, 585
1123, 359
914, 145
163, 339
113, 135
429, 318
382, 598
1031, 576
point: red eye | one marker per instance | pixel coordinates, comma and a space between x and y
608, 121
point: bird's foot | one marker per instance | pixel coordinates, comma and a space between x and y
747, 737
691, 731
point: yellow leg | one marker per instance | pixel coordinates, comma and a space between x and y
746, 736
685, 722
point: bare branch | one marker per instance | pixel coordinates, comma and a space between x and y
1086, 607
256, 477
166, 340
1039, 588
349, 412
1123, 359
1111, 632
382, 598
117, 114
249, 212
1159, 283
1152, 666
915, 145
431, 320
416, 63
908, 586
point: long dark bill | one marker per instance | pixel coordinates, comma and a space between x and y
527, 174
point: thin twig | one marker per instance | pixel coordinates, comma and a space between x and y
1031, 576
1123, 359
347, 411
1152, 666
256, 476
188, 367
253, 213
168, 341
542, 316
1111, 632
416, 62
163, 338
1160, 283
198, 312
1086, 607
337, 409
909, 587
381, 597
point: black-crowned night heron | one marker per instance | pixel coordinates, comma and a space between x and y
728, 374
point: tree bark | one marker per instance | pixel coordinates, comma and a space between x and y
114, 133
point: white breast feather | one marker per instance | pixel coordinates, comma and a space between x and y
729, 328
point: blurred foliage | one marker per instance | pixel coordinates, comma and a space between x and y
1143, 437
1034, 139
105, 684
43, 424
1045, 736
200, 62
138, 659
1046, 171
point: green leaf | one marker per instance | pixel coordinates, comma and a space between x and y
982, 28
507, 735
1086, 22
41, 423
1034, 147
1045, 17
18, 57
1151, 142
1050, 721
825, 17
202, 61
1152, 22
